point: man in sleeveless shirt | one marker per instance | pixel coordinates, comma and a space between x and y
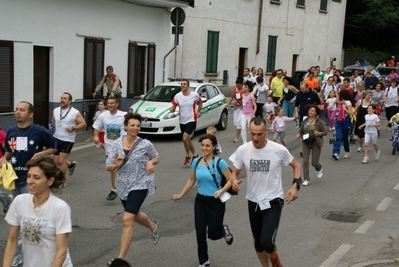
67, 120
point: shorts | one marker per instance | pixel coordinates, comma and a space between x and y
134, 201
63, 147
188, 128
101, 137
270, 115
370, 137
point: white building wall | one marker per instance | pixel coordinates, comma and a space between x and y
56, 23
312, 35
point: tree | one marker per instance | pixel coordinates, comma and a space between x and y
372, 24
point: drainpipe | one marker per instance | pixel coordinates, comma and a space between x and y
259, 27
164, 62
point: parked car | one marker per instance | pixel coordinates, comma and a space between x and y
349, 70
297, 77
385, 71
155, 106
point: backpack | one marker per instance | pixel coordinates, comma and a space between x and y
224, 180
113, 78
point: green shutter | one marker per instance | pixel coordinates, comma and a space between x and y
271, 54
323, 5
212, 52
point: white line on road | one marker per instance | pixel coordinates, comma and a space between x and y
396, 187
364, 227
384, 204
337, 255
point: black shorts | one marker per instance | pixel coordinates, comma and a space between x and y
188, 128
134, 201
63, 147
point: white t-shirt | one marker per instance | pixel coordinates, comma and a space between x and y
391, 95
263, 168
330, 102
187, 106
371, 119
112, 126
327, 89
65, 118
39, 227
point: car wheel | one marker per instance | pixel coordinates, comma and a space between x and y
222, 124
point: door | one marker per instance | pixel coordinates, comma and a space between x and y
241, 62
294, 62
41, 84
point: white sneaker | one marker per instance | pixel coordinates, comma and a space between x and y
347, 154
320, 173
305, 183
205, 264
365, 160
360, 149
335, 156
330, 129
17, 260
333, 128
236, 140
377, 155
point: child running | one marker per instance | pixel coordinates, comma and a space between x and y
212, 131
278, 125
332, 109
269, 109
370, 132
248, 109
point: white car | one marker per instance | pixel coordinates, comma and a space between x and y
155, 108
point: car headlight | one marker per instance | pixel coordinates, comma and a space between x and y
171, 115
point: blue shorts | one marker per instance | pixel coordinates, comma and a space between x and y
134, 201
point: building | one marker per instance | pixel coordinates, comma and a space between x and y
51, 47
222, 37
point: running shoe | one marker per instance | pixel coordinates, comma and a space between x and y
365, 160
187, 161
112, 195
320, 173
72, 167
154, 234
306, 182
377, 155
17, 260
227, 235
359, 149
236, 140
205, 264
335, 156
347, 154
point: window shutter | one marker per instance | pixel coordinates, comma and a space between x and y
6, 76
151, 66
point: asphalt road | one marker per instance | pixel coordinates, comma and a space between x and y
305, 238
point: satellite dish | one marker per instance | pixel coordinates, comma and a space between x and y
181, 17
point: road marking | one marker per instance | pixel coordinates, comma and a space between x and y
364, 227
396, 187
384, 204
337, 255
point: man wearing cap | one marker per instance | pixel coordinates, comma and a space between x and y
114, 85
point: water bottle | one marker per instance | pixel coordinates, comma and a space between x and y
52, 130
297, 124
98, 145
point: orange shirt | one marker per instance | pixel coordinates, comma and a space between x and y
312, 84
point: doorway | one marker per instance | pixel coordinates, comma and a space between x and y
294, 62
241, 61
41, 84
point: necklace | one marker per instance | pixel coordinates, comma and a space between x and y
30, 128
62, 117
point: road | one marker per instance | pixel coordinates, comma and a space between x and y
305, 238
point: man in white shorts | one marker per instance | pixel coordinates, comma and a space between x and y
111, 123
190, 105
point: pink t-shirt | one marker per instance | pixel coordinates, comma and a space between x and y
247, 106
2, 140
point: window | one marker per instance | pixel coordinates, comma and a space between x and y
6, 76
338, 1
275, 2
93, 65
323, 5
141, 61
271, 54
212, 52
211, 91
300, 3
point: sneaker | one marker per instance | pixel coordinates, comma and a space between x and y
228, 236
17, 260
72, 167
347, 154
365, 160
154, 234
187, 161
330, 129
333, 128
359, 149
205, 264
320, 173
335, 156
377, 155
391, 139
276, 261
236, 140
112, 195
306, 182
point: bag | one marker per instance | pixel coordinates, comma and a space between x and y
224, 180
341, 111
310, 140
126, 158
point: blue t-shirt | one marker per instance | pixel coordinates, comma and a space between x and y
37, 138
206, 183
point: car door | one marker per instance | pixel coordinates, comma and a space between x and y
215, 104
202, 121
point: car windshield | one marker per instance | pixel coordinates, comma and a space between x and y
164, 93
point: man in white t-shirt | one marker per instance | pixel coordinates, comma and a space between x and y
111, 123
263, 160
190, 105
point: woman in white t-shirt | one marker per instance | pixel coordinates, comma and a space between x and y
372, 122
391, 100
42, 219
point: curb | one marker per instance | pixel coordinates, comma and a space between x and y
379, 263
